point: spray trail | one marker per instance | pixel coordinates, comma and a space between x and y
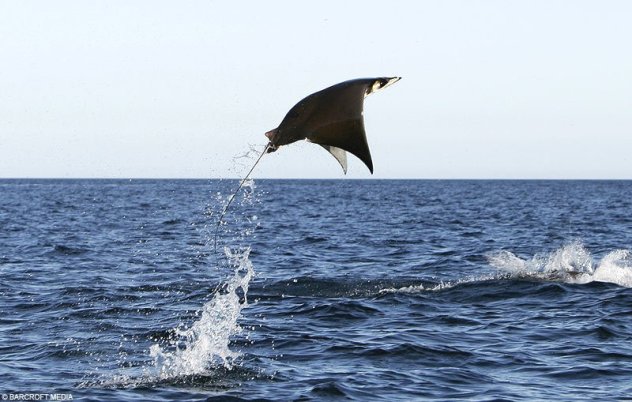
232, 197
205, 344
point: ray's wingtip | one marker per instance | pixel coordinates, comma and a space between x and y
388, 81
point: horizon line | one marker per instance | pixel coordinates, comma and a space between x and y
315, 178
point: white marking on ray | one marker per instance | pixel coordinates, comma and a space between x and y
377, 85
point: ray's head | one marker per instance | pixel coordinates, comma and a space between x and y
273, 137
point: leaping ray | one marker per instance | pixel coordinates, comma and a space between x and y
333, 119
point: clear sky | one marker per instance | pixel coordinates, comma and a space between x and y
490, 89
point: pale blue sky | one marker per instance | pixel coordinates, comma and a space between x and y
490, 89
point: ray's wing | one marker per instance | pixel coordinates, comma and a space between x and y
335, 117
346, 135
332, 118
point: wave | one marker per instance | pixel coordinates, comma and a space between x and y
572, 263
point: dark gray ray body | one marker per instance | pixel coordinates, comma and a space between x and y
333, 119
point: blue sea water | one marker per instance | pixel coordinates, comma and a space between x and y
318, 290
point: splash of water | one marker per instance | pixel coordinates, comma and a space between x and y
205, 344
572, 263
203, 348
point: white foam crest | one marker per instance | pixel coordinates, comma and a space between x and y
615, 267
572, 263
205, 344
405, 289
443, 285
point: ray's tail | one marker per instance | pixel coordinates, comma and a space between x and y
232, 197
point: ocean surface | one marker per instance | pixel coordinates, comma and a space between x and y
114, 290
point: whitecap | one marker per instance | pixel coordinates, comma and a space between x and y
572, 263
